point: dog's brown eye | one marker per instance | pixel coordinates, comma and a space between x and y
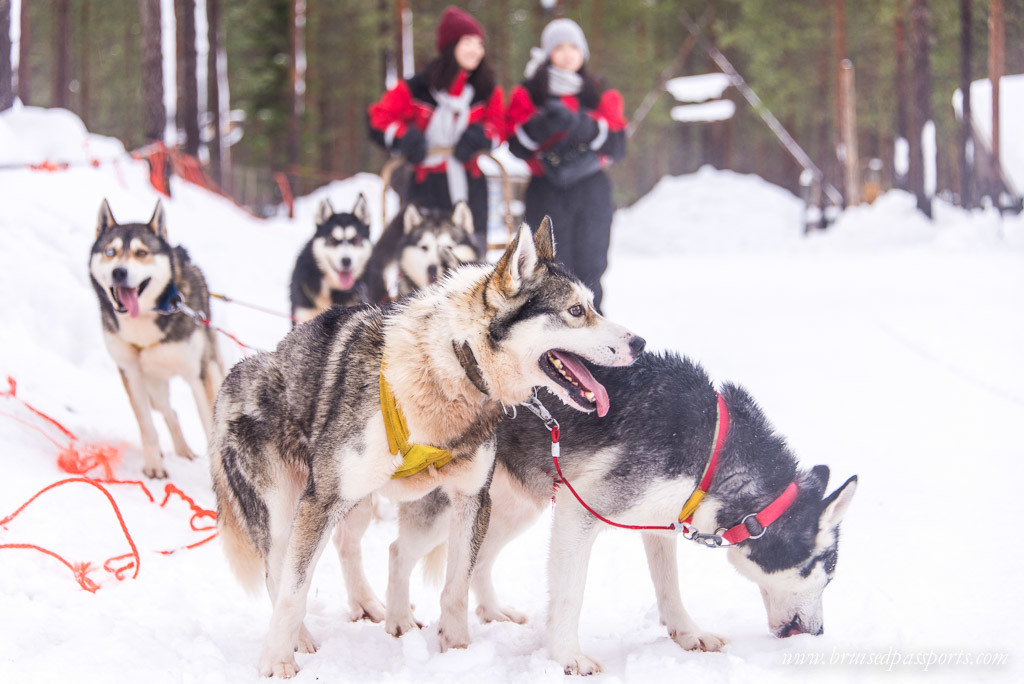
142, 254
110, 251
423, 247
576, 310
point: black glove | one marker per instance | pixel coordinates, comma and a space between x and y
413, 145
472, 141
553, 118
583, 129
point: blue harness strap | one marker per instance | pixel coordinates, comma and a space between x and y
170, 299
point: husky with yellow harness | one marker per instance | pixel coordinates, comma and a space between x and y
303, 435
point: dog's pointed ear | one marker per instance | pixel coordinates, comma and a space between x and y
105, 219
325, 212
158, 221
411, 218
362, 210
834, 506
517, 264
462, 217
545, 240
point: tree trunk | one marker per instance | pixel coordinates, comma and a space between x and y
996, 57
966, 143
901, 147
154, 115
61, 53
213, 87
83, 60
6, 80
922, 150
24, 64
188, 88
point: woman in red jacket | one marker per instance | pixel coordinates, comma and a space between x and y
441, 117
569, 128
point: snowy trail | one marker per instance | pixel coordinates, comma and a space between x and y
886, 348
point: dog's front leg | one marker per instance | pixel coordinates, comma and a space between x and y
572, 537
348, 536
313, 519
661, 560
135, 386
470, 515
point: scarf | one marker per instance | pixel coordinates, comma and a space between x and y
560, 81
447, 124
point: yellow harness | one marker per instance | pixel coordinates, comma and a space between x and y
415, 457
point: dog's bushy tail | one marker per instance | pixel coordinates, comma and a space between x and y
433, 564
243, 556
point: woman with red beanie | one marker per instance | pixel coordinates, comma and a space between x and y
441, 117
568, 127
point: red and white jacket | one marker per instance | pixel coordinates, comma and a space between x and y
411, 103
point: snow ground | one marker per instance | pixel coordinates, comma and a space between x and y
887, 347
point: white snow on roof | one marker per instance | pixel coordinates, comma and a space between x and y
698, 88
716, 110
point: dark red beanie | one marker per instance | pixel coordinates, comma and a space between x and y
456, 23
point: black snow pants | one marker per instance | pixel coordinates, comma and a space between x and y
581, 215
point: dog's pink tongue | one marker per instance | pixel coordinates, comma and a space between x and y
588, 381
346, 279
129, 298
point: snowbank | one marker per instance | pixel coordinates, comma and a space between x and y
887, 347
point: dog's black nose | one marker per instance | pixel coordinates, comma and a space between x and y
637, 344
120, 274
432, 271
346, 262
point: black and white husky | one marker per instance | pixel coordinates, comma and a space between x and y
139, 279
637, 466
333, 268
425, 244
301, 440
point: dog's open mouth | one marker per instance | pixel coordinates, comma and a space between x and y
569, 371
127, 298
346, 279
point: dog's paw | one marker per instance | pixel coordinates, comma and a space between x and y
579, 664
186, 454
306, 642
500, 614
368, 609
453, 636
284, 669
154, 471
397, 626
699, 641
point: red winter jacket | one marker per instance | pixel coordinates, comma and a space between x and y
410, 103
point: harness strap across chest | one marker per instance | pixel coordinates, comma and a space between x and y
415, 457
418, 457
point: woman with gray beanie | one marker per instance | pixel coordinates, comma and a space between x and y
568, 128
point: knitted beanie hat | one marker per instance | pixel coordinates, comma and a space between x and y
455, 24
563, 31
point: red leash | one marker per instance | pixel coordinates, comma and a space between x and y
742, 531
78, 459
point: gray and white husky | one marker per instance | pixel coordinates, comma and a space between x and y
637, 466
425, 244
300, 442
139, 278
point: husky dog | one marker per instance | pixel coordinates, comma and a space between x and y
139, 278
300, 439
426, 244
334, 266
638, 466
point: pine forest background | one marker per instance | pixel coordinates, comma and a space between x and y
88, 56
